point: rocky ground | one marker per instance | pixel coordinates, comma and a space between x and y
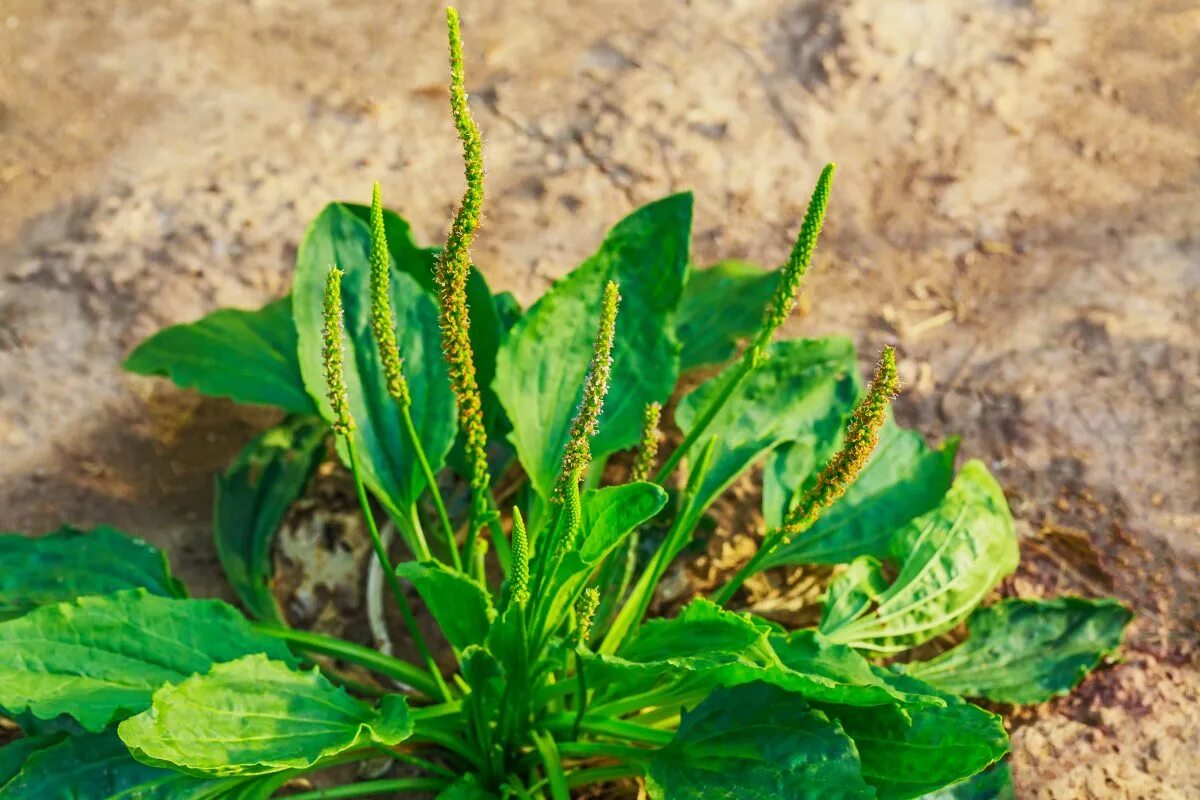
1017, 208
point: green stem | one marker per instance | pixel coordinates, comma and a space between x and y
602, 750
434, 491
374, 787
726, 592
701, 425
583, 777
581, 697
389, 574
355, 654
631, 613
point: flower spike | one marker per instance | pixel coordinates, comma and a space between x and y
648, 446
382, 323
797, 265
862, 434
585, 609
453, 268
520, 560
335, 381
578, 454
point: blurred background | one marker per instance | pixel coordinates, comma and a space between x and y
1017, 208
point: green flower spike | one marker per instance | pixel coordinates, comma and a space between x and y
862, 434
382, 323
578, 454
452, 270
797, 265
585, 610
520, 560
335, 381
648, 446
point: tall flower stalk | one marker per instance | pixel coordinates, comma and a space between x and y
778, 310
343, 426
453, 268
383, 326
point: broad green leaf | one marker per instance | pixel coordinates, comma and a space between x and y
802, 394
99, 659
852, 592
254, 716
14, 754
69, 563
994, 783
707, 646
950, 558
609, 514
461, 606
389, 467
756, 742
909, 750
252, 498
542, 364
1028, 651
99, 767
247, 356
904, 479
720, 305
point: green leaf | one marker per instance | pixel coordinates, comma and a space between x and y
254, 716
707, 646
461, 606
99, 659
247, 356
852, 592
1028, 651
14, 754
904, 479
252, 498
950, 557
756, 742
389, 466
802, 394
69, 563
720, 305
994, 783
909, 750
99, 767
541, 366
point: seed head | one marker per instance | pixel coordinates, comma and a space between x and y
648, 446
520, 560
585, 611
797, 265
862, 434
335, 381
578, 454
382, 323
453, 267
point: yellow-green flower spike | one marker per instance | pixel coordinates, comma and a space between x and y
797, 265
453, 267
862, 434
585, 611
578, 454
520, 560
335, 381
648, 446
382, 323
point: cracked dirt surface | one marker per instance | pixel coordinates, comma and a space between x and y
1017, 209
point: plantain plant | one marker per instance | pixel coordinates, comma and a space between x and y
429, 385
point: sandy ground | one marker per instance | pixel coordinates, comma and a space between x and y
1017, 209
